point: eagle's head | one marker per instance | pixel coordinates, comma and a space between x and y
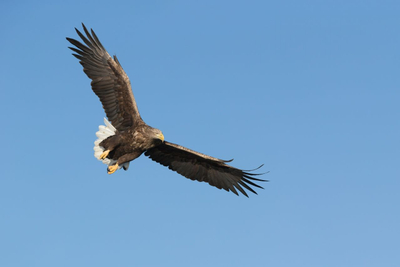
157, 136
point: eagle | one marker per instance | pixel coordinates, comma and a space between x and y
125, 136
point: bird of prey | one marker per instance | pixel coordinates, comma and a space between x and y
125, 136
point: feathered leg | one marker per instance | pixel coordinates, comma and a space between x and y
123, 159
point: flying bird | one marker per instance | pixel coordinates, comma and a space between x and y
125, 136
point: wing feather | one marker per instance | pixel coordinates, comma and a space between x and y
203, 168
109, 81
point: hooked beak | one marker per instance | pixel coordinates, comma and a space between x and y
161, 137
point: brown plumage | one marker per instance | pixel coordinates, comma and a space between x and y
128, 136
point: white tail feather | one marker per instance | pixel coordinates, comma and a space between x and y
103, 133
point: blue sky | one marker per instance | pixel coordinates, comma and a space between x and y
308, 88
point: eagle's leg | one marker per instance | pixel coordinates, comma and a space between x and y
123, 159
109, 144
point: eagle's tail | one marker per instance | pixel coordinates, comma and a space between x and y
103, 133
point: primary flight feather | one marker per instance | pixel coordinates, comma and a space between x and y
126, 136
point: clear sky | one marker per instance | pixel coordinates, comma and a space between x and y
308, 88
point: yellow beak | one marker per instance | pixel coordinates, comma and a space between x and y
161, 137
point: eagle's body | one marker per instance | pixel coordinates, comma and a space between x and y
130, 144
127, 136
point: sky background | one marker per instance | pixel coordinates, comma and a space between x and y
308, 88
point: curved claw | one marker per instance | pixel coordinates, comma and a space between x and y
104, 154
111, 169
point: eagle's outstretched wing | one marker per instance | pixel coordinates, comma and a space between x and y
203, 168
109, 81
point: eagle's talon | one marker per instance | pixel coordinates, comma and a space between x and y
104, 154
111, 169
